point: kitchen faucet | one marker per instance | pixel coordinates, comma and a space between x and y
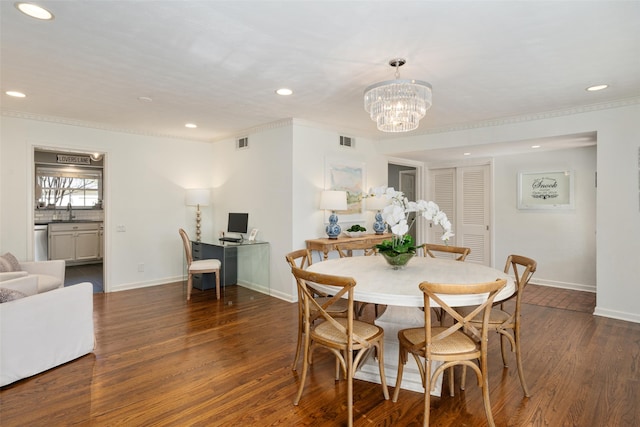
70, 210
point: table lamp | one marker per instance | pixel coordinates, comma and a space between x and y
333, 201
198, 197
377, 203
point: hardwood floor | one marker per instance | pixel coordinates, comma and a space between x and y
160, 361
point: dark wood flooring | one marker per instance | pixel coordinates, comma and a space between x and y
85, 273
163, 361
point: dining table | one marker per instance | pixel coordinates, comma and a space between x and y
379, 283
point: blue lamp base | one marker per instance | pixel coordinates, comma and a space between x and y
333, 229
379, 226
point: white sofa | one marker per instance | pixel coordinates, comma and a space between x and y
43, 330
50, 274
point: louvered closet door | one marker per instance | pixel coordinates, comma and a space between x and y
442, 190
473, 221
464, 195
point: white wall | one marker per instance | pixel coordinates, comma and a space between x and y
617, 204
145, 182
283, 171
563, 242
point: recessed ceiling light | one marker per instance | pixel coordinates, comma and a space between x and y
466, 154
535, 146
191, 125
284, 91
34, 11
144, 99
15, 94
596, 88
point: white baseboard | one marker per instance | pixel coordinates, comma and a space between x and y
565, 285
619, 315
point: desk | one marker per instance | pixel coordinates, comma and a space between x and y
377, 282
326, 245
238, 262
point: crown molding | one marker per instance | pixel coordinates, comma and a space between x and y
619, 103
91, 125
626, 102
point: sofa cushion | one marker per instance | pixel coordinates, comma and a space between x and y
8, 262
47, 283
7, 295
28, 285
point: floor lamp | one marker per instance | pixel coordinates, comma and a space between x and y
198, 197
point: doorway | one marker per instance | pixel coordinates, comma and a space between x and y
404, 178
68, 215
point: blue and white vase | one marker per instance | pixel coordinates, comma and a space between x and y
333, 229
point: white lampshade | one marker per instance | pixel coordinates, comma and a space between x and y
333, 200
198, 196
376, 203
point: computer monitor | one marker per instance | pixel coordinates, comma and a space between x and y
238, 222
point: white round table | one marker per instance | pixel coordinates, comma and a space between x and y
379, 283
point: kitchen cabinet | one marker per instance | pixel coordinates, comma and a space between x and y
75, 242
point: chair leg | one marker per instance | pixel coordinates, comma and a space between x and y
189, 285
402, 359
519, 363
503, 348
305, 368
427, 392
451, 381
485, 398
217, 284
383, 377
350, 369
298, 345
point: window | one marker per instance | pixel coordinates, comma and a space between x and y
59, 186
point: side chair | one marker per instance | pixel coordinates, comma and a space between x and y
444, 251
302, 259
348, 339
345, 250
199, 266
453, 345
436, 251
507, 322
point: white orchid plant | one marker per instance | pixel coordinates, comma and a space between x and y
396, 216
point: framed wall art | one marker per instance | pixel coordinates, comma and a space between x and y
545, 190
346, 176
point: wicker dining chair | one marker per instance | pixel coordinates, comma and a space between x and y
507, 322
302, 259
453, 345
345, 250
198, 267
441, 251
348, 339
444, 251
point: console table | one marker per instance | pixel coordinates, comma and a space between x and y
326, 245
247, 259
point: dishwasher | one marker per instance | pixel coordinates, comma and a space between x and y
41, 242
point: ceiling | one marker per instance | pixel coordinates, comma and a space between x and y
218, 63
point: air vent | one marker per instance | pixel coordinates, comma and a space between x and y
242, 143
347, 141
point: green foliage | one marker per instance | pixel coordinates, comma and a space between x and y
356, 228
397, 246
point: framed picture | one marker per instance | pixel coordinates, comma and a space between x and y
545, 190
254, 233
346, 176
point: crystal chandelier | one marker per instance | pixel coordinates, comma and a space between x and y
397, 105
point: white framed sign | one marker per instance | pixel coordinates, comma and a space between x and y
545, 190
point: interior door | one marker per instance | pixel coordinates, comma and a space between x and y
463, 193
408, 187
473, 195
